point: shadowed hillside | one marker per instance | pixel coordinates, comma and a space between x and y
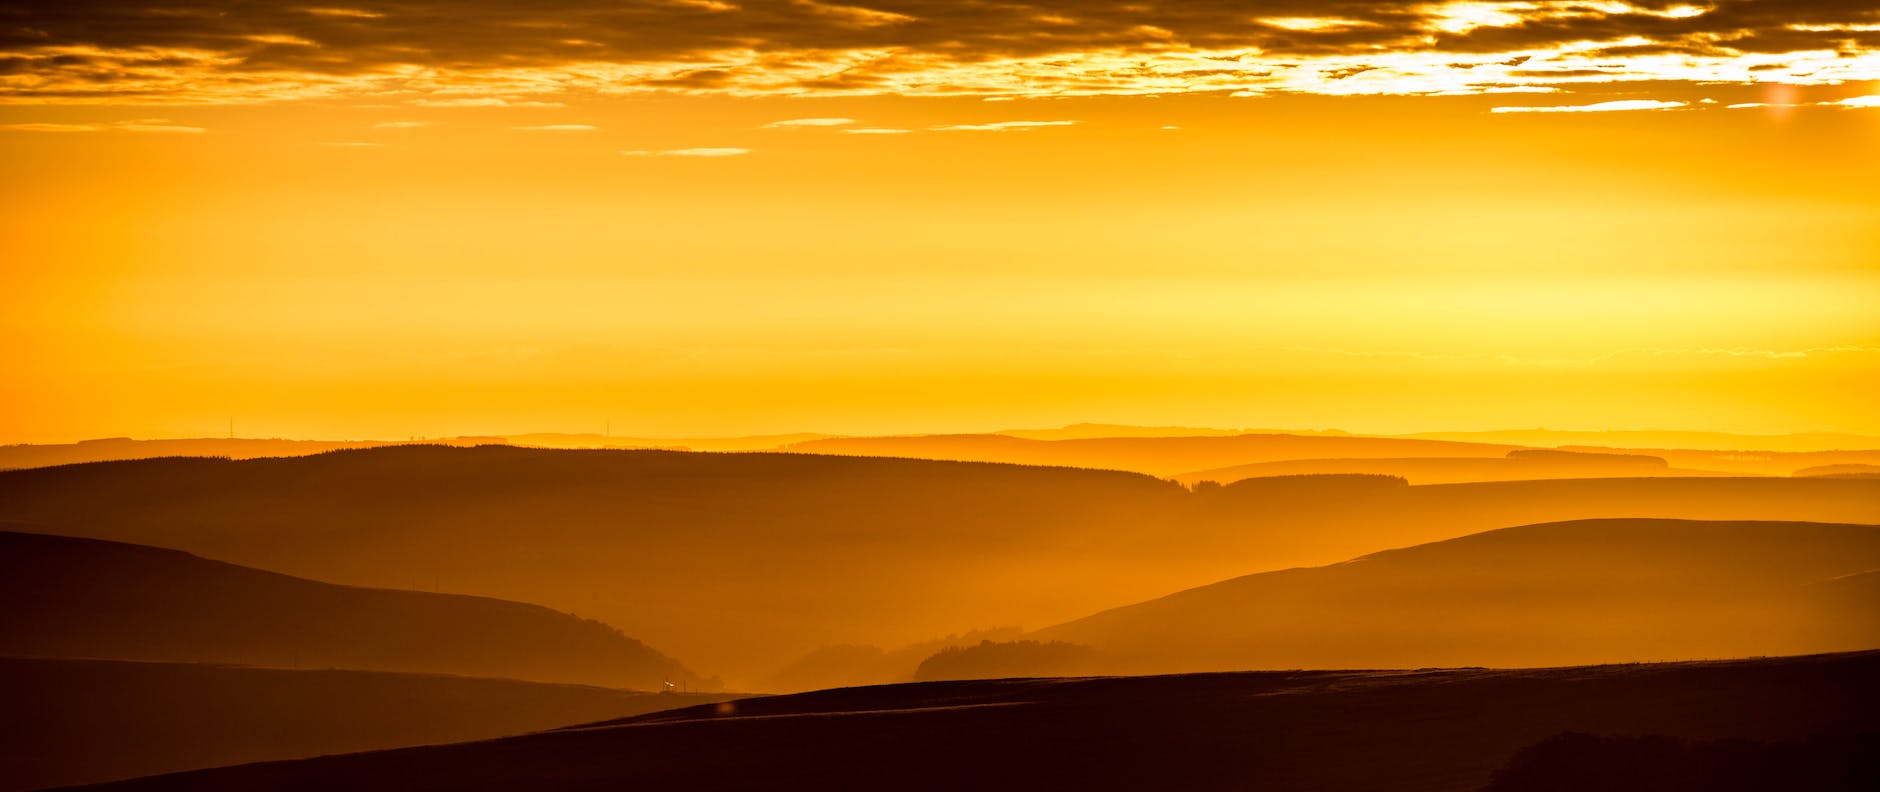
1325, 731
742, 563
67, 597
83, 721
1587, 591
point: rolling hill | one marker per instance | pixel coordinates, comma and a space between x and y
68, 597
85, 721
743, 563
1575, 592
1325, 731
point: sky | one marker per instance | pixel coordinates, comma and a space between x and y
694, 217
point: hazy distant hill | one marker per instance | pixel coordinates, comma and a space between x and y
1710, 441
67, 597
1572, 592
1091, 430
1311, 520
1156, 456
1521, 465
118, 448
752, 443
1426, 731
743, 563
83, 721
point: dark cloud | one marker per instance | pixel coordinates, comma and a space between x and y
56, 45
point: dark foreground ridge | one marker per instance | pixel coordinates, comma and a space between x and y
1298, 730
86, 721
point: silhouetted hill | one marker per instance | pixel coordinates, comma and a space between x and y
83, 721
1519, 465
1324, 731
846, 665
67, 597
1584, 591
1850, 471
742, 563
991, 660
1157, 456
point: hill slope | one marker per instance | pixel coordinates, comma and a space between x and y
84, 721
1584, 591
67, 597
1437, 731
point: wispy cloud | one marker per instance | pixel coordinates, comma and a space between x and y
688, 152
41, 127
557, 128
156, 125
1853, 102
797, 123
484, 101
1002, 126
400, 124
343, 13
1622, 105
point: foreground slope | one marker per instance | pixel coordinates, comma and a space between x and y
1575, 592
67, 597
742, 563
84, 721
1304, 730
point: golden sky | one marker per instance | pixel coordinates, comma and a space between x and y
697, 217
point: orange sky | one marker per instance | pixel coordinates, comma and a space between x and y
395, 227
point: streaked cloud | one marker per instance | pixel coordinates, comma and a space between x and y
156, 125
1848, 103
484, 101
688, 152
400, 124
797, 123
1621, 105
485, 53
1002, 126
557, 128
344, 13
